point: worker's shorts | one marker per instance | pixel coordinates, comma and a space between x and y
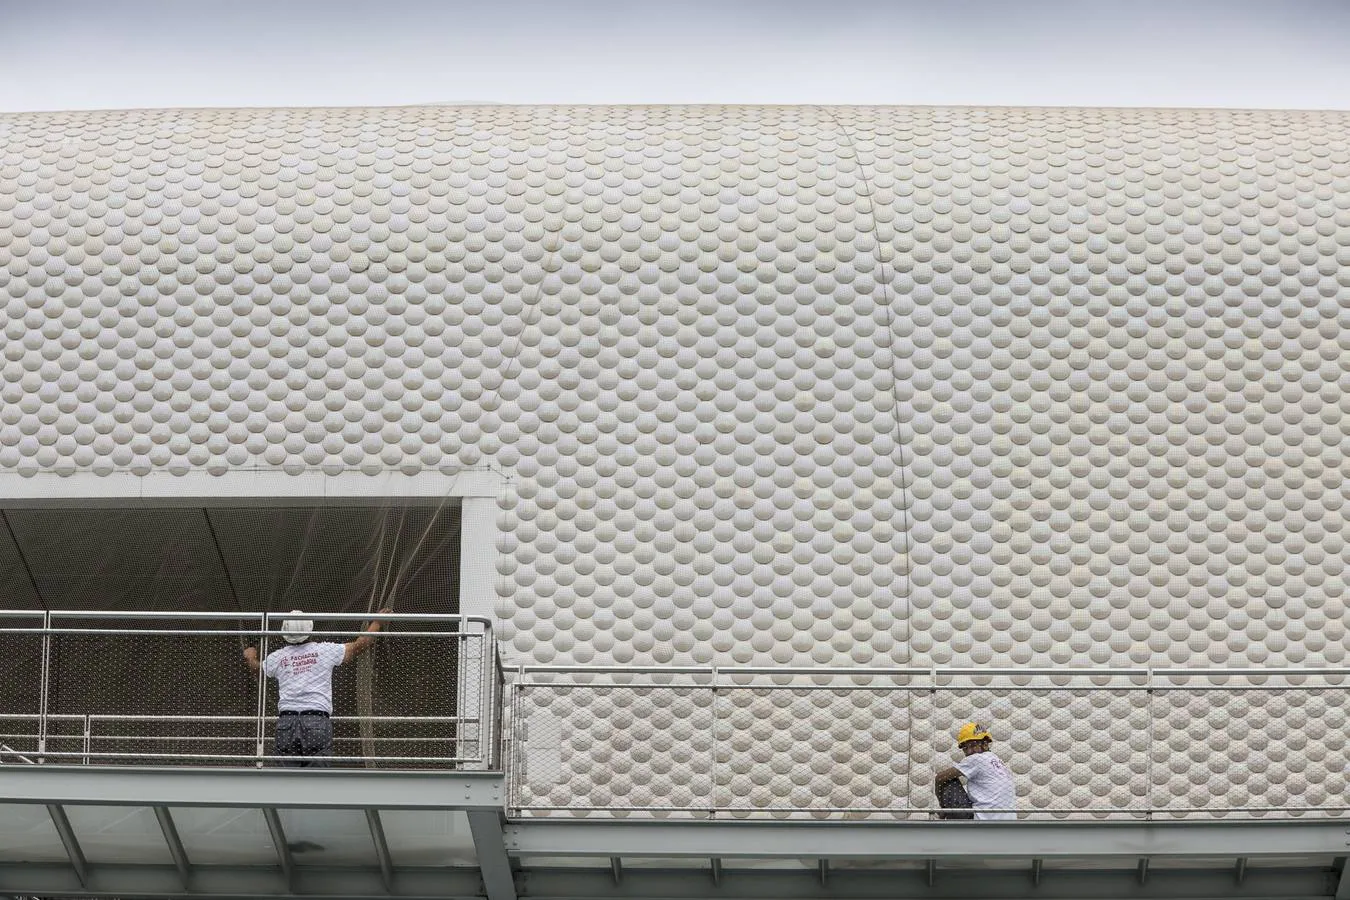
304, 734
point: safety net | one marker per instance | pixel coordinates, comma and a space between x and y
173, 686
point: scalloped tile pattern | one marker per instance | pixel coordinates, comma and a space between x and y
815, 386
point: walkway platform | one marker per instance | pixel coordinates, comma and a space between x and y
101, 831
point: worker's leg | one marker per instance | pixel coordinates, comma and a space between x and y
951, 795
317, 736
288, 741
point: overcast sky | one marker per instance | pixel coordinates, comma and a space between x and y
79, 54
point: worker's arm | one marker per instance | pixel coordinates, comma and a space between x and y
251, 659
353, 649
946, 775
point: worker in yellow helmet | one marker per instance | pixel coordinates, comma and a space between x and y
989, 784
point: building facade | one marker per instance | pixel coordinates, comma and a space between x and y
778, 387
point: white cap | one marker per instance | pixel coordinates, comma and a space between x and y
297, 631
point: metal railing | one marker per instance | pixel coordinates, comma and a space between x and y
710, 742
692, 742
154, 688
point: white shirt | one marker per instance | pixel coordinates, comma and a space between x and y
989, 784
304, 674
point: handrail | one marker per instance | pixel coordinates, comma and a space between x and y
1140, 812
815, 741
264, 619
473, 734
197, 614
1043, 671
238, 632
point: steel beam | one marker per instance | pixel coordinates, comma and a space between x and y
1343, 879
176, 848
377, 837
486, 828
445, 883
1127, 841
282, 846
252, 788
229, 882
258, 488
69, 841
1310, 883
616, 868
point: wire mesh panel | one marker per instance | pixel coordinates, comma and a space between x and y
150, 559
828, 744
397, 704
473, 678
812, 752
600, 749
1074, 750
398, 701
163, 739
122, 688
234, 563
157, 688
65, 739
21, 644
1252, 751
151, 690
340, 559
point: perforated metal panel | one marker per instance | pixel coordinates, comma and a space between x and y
788, 385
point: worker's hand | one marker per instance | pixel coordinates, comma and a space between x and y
250, 653
384, 612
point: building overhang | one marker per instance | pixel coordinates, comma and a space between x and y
255, 487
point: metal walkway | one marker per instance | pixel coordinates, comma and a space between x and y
175, 832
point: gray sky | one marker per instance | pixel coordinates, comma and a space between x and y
79, 54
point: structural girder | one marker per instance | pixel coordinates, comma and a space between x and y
985, 884
251, 788
219, 882
41, 879
743, 859
930, 840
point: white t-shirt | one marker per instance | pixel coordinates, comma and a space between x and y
989, 784
304, 674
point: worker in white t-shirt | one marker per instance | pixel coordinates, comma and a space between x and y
304, 673
988, 781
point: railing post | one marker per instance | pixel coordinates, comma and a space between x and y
260, 729
516, 773
713, 747
1152, 742
88, 737
498, 686
45, 678
484, 674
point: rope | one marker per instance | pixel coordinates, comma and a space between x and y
884, 281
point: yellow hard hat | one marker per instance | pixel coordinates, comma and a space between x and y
972, 731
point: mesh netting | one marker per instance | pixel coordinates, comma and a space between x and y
21, 687
869, 746
178, 687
